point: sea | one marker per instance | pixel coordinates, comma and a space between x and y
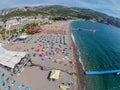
98, 51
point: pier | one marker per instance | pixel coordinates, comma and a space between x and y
101, 72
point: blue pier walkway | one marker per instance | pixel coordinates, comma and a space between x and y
101, 72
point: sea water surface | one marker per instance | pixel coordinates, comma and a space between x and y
99, 51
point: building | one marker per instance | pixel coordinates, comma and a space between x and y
34, 30
13, 61
54, 75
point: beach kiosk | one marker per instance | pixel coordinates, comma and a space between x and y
54, 75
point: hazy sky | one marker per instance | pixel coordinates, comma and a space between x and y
111, 7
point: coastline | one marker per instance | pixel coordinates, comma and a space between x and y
78, 65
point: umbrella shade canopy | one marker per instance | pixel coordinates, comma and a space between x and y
33, 47
25, 49
2, 83
64, 87
57, 60
6, 77
28, 88
12, 81
19, 85
1, 74
33, 53
7, 88
37, 49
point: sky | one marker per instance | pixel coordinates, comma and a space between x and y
110, 7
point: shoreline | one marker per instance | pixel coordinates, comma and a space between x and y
78, 65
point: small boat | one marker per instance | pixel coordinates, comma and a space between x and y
118, 73
84, 29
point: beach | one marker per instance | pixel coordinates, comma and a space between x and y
52, 48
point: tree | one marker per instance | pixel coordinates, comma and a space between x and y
4, 21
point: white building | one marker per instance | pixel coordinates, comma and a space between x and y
13, 61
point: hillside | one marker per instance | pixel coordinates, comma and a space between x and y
61, 11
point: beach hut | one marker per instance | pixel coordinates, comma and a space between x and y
7, 88
54, 75
19, 85
28, 88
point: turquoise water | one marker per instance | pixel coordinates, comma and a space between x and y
99, 51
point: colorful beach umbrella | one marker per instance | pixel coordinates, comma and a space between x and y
12, 81
37, 49
2, 83
33, 47
1, 74
33, 53
7, 88
19, 85
6, 77
28, 88
64, 87
25, 49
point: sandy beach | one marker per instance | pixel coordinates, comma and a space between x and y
58, 52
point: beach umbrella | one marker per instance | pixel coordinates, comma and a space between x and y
33, 47
41, 54
37, 49
2, 83
12, 81
57, 60
19, 85
6, 77
64, 87
43, 58
68, 54
1, 74
7, 88
28, 88
33, 53
25, 49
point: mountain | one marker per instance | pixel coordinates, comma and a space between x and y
60, 11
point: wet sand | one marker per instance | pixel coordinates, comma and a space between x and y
33, 76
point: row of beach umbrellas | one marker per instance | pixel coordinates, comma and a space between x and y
11, 81
19, 86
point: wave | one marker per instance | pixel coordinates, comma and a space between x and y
78, 52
